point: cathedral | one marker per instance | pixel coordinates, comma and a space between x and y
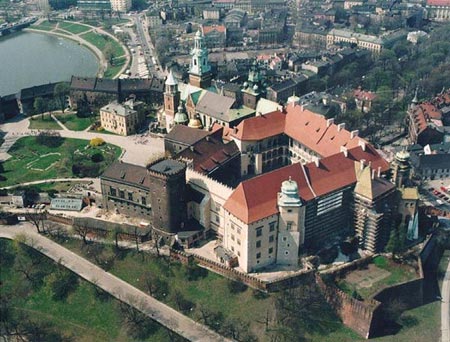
198, 104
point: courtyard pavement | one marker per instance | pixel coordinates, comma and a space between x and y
137, 149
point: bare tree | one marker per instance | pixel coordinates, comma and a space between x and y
82, 232
37, 217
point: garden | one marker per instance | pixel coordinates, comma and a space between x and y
51, 156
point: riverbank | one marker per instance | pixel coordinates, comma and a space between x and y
77, 36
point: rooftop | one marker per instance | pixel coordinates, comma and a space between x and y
167, 166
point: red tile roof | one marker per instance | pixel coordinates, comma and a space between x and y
256, 198
209, 154
218, 28
364, 95
424, 113
317, 133
438, 2
260, 127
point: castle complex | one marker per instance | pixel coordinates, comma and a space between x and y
269, 185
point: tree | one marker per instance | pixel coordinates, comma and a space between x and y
183, 304
82, 231
108, 52
40, 106
138, 325
36, 217
156, 287
397, 239
61, 92
62, 283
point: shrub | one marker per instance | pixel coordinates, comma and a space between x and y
236, 286
97, 157
97, 142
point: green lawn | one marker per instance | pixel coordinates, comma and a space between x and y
113, 70
46, 122
100, 41
74, 28
45, 26
397, 274
73, 122
82, 316
28, 152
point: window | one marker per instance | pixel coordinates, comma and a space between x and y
239, 253
258, 244
270, 250
144, 200
112, 191
217, 219
121, 194
239, 230
272, 226
284, 238
289, 225
232, 248
286, 252
271, 238
239, 242
258, 255
259, 231
130, 196
232, 237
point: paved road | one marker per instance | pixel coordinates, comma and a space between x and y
445, 307
54, 180
118, 288
137, 150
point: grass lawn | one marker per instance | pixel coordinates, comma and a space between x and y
82, 316
46, 123
28, 152
380, 274
73, 122
418, 325
100, 41
112, 71
45, 26
74, 28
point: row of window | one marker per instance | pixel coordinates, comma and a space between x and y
130, 197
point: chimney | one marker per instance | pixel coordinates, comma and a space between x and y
234, 130
258, 113
362, 144
341, 126
330, 122
354, 133
373, 174
192, 148
317, 162
379, 171
345, 150
362, 161
207, 138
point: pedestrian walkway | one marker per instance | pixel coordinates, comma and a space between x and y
158, 311
59, 123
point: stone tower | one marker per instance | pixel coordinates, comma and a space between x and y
401, 169
200, 70
254, 88
168, 195
291, 226
171, 96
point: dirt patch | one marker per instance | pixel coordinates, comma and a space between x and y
367, 277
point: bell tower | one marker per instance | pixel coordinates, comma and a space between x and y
171, 97
291, 226
200, 70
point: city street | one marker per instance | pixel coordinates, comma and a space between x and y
160, 312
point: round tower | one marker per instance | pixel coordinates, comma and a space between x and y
401, 168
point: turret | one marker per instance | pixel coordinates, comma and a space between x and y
200, 70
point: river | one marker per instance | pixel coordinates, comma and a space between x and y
28, 59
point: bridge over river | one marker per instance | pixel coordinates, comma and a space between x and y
8, 28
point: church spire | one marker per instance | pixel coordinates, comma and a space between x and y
199, 70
